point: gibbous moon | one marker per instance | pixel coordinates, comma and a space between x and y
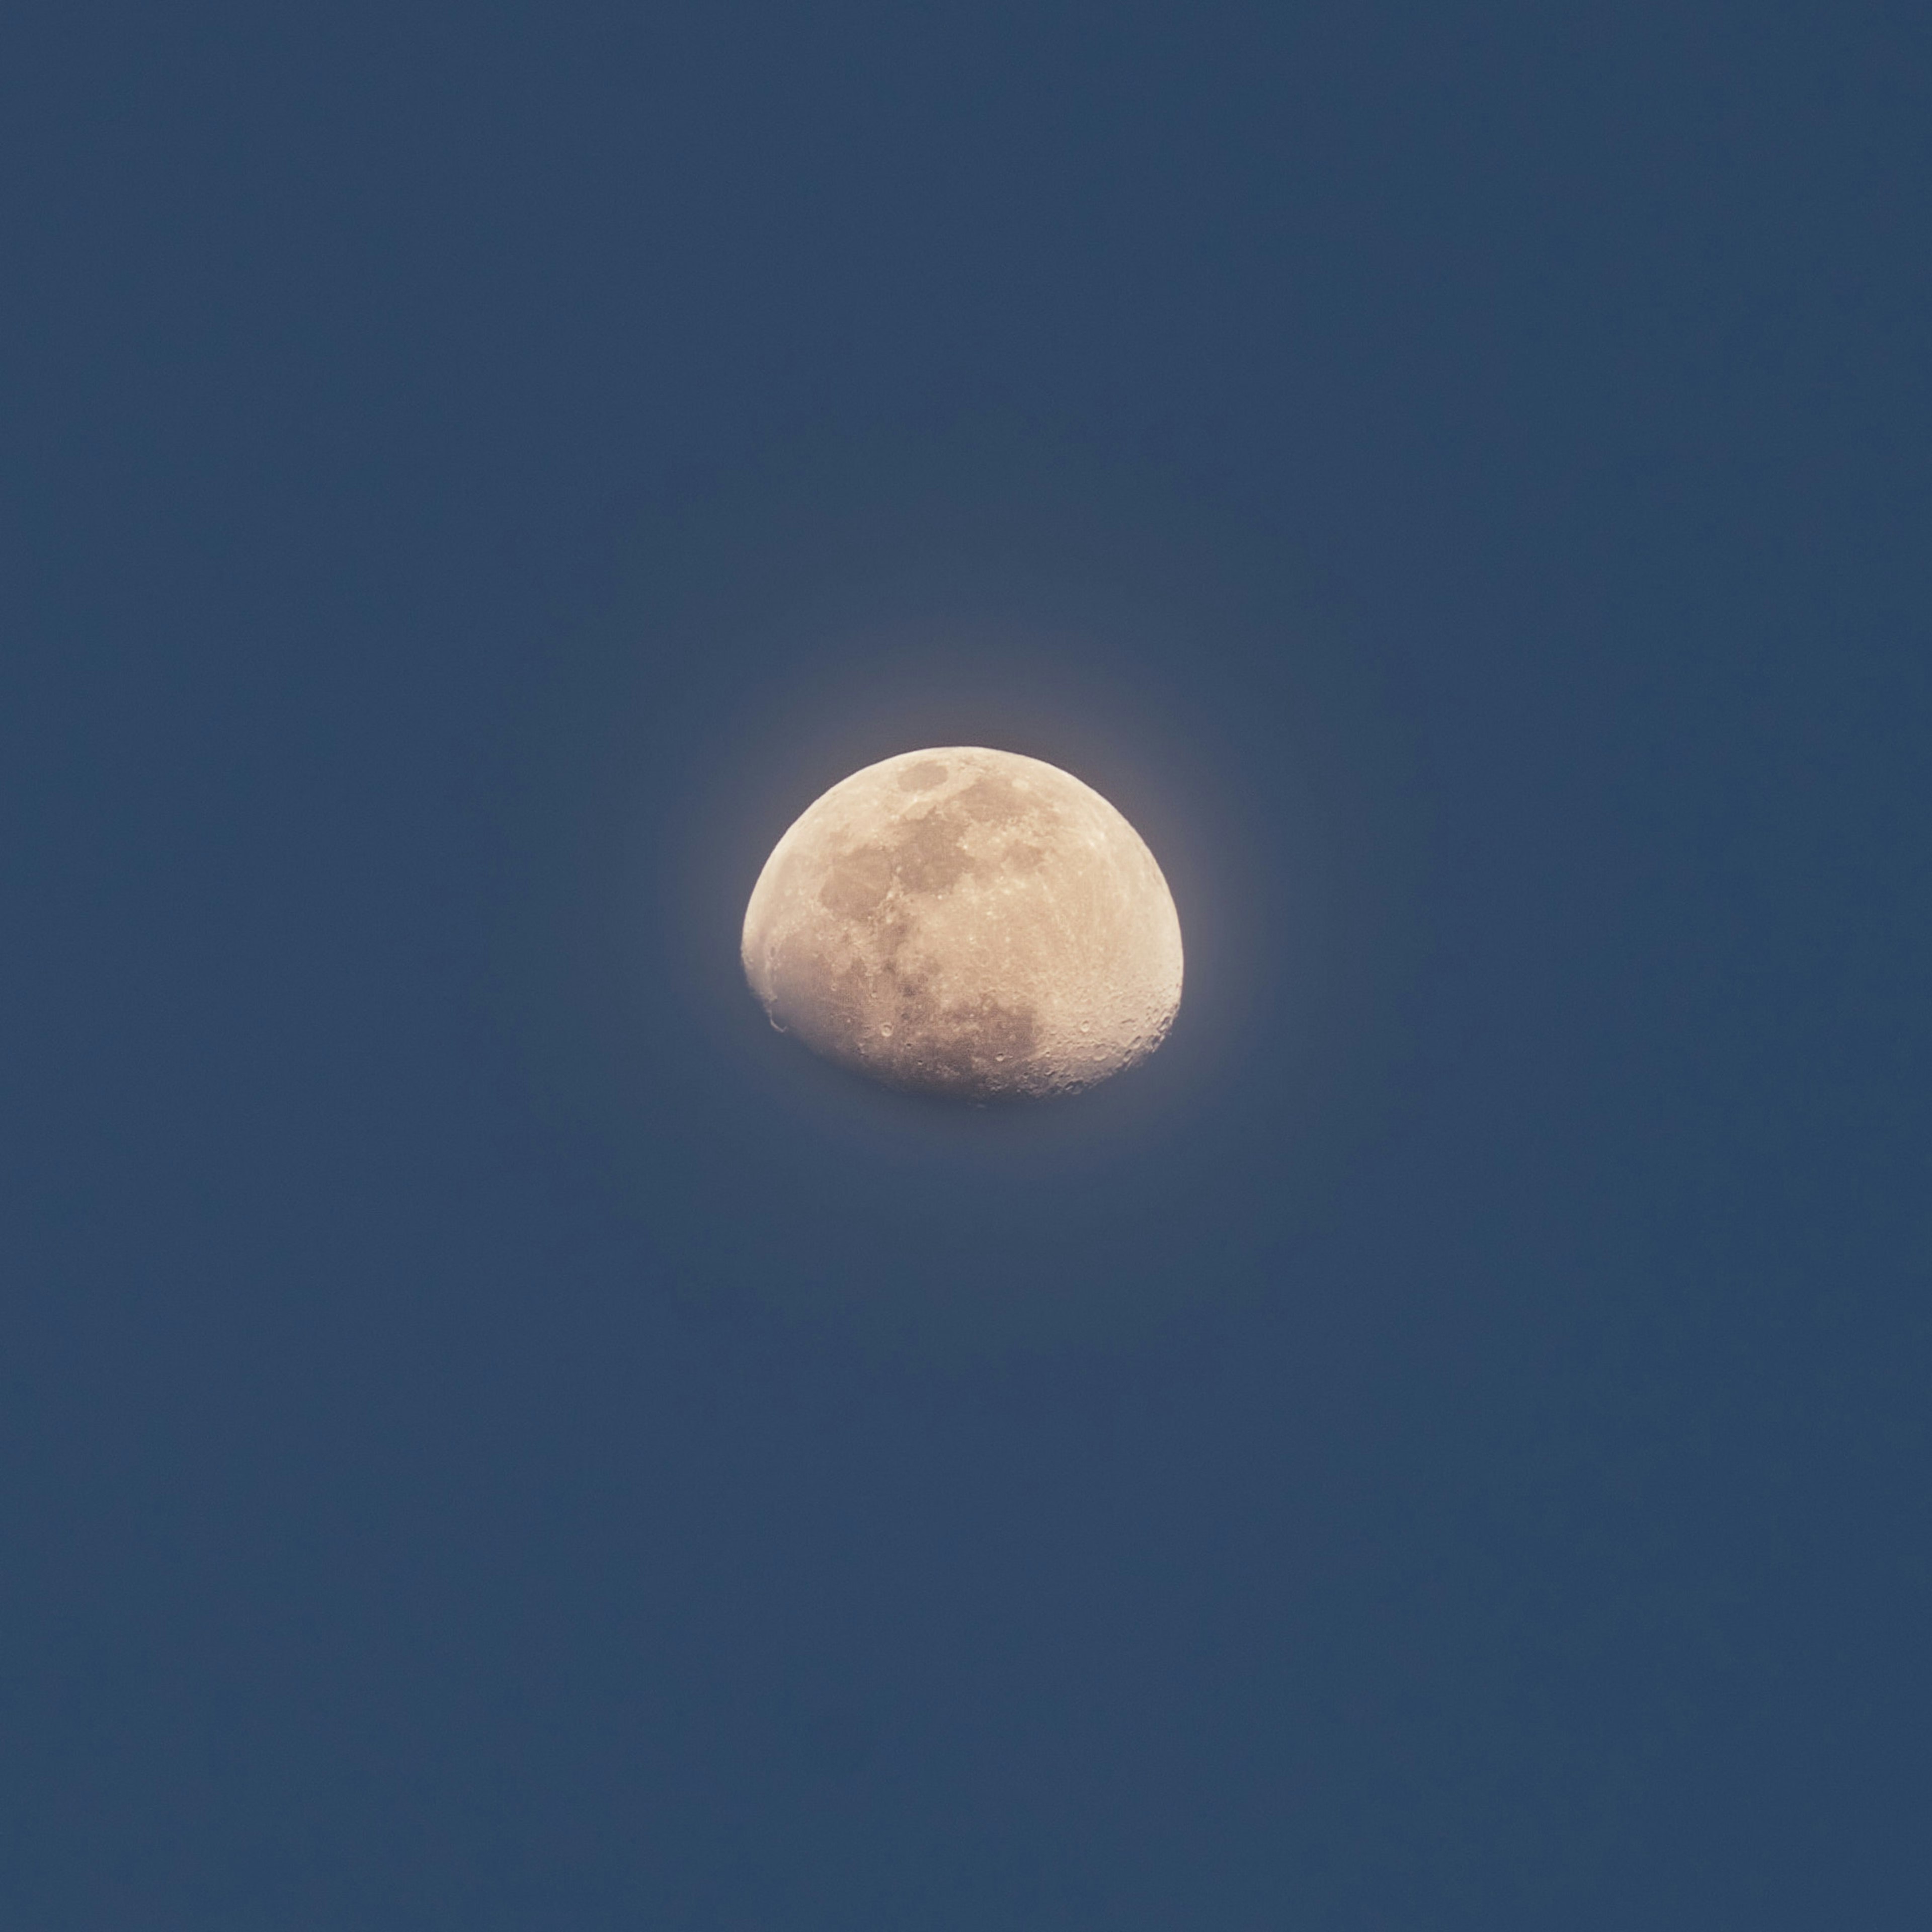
967, 921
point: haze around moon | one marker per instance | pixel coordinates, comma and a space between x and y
967, 921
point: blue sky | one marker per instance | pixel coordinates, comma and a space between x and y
492, 1435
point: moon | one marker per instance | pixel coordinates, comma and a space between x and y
967, 921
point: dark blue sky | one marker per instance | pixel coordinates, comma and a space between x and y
492, 1436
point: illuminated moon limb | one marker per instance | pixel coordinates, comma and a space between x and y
967, 921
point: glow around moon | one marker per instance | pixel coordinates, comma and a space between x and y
967, 921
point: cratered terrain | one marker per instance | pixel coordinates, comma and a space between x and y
967, 921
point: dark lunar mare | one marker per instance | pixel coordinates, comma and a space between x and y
966, 1047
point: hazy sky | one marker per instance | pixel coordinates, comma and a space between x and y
491, 1436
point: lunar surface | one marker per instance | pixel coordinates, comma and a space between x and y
970, 922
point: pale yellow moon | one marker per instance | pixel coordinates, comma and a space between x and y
967, 921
